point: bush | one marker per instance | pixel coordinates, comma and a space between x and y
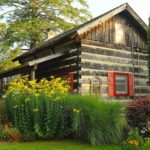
138, 112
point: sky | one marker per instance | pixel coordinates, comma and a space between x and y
141, 7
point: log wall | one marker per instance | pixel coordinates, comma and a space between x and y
97, 61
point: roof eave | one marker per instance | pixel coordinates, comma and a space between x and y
50, 42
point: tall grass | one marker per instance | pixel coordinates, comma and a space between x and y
85, 118
99, 121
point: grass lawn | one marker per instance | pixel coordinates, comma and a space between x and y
55, 145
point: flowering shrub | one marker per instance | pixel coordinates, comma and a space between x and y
29, 102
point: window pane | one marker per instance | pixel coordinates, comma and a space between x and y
121, 84
121, 79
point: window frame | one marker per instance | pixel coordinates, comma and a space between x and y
115, 92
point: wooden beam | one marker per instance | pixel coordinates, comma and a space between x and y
33, 72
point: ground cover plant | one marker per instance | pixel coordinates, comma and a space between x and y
45, 111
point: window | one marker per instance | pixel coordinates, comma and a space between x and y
120, 84
119, 34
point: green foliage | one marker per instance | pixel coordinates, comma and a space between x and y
97, 121
134, 141
80, 117
6, 52
148, 45
138, 112
146, 144
27, 21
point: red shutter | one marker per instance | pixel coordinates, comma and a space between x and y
131, 84
70, 81
111, 84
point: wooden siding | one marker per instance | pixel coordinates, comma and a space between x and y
105, 31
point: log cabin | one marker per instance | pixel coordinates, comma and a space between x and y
106, 56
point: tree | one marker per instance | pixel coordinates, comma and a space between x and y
28, 20
6, 52
148, 45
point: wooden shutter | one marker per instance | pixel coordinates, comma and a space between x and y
70, 81
111, 84
131, 84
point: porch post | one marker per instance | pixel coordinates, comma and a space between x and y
33, 72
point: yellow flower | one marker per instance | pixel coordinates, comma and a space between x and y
27, 99
35, 110
36, 94
16, 106
78, 111
32, 82
134, 142
74, 110
55, 88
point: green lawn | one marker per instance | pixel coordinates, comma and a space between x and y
55, 145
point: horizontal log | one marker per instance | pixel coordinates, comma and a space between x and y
142, 91
113, 59
109, 45
98, 66
112, 52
